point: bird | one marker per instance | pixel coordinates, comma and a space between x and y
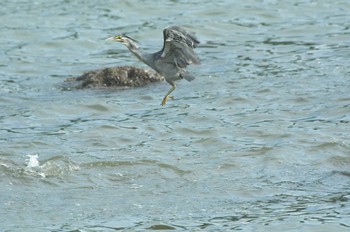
171, 61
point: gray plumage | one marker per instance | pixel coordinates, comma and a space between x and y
171, 61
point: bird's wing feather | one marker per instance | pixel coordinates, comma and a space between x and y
179, 46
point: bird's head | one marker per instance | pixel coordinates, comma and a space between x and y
117, 38
124, 39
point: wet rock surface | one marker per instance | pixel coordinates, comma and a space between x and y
122, 76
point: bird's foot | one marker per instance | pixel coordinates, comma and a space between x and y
165, 99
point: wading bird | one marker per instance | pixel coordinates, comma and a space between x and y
171, 61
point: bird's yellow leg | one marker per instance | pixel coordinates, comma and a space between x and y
165, 99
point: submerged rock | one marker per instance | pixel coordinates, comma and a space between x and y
123, 76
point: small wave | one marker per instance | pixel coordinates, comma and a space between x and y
57, 166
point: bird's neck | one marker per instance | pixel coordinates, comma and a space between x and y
140, 54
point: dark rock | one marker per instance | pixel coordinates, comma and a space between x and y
123, 76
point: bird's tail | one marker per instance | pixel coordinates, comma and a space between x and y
188, 76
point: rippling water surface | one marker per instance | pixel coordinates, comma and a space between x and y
258, 142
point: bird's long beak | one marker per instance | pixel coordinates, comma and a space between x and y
115, 38
110, 38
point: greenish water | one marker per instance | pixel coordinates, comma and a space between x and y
259, 141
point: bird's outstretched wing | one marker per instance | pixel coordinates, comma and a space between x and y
178, 46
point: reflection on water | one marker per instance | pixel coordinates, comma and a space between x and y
259, 141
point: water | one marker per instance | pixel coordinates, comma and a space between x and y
258, 142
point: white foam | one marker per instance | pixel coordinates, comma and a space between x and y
33, 161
